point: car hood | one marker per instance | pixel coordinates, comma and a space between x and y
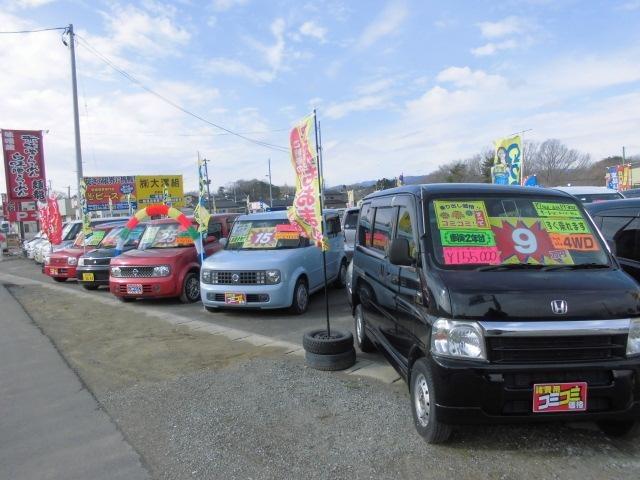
527, 295
252, 259
68, 252
153, 256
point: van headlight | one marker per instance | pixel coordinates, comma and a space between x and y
161, 271
633, 340
116, 272
457, 339
206, 276
273, 276
72, 260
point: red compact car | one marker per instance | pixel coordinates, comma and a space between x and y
166, 262
61, 264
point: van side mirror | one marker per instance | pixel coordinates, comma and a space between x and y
399, 252
223, 242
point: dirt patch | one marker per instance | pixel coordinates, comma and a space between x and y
113, 348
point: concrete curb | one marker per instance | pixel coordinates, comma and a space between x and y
365, 368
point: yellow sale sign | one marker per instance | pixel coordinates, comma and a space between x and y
150, 189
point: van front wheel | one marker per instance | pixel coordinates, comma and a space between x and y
423, 404
190, 288
300, 301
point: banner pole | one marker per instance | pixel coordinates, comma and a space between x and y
321, 194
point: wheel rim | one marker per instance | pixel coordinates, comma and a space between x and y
193, 288
343, 274
302, 297
359, 324
422, 400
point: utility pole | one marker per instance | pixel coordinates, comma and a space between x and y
624, 158
76, 117
212, 204
270, 193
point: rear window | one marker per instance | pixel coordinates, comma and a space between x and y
351, 220
598, 197
512, 230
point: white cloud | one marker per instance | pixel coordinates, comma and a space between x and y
364, 103
629, 6
25, 4
386, 23
235, 68
465, 77
224, 5
500, 28
492, 47
375, 86
311, 29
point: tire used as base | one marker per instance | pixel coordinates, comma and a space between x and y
330, 363
316, 341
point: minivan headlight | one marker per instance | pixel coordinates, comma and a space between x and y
633, 340
206, 276
81, 262
161, 271
116, 272
273, 276
457, 339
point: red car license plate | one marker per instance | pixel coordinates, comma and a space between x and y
54, 271
235, 298
134, 288
559, 397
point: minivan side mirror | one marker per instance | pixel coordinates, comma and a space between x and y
399, 252
223, 242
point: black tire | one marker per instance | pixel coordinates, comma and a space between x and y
341, 279
364, 344
331, 363
300, 301
620, 428
190, 294
211, 309
316, 341
89, 286
59, 279
423, 404
126, 299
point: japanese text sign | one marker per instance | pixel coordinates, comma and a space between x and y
150, 189
24, 164
101, 190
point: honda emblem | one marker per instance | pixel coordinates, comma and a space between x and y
559, 307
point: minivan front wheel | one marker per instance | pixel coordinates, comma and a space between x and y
300, 301
423, 402
190, 288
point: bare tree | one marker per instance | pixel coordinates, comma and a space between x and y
553, 162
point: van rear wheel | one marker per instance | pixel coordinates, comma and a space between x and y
423, 404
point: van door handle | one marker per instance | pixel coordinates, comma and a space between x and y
395, 280
381, 270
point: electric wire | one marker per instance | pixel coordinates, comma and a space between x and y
34, 31
131, 78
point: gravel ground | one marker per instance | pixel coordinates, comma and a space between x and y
196, 405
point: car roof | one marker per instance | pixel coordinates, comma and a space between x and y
215, 216
585, 190
613, 204
277, 215
468, 188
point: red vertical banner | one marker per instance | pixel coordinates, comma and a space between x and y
43, 215
24, 165
55, 222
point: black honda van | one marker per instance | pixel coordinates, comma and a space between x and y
497, 304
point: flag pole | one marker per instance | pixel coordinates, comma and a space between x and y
321, 194
200, 206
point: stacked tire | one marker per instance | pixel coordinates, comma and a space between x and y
329, 352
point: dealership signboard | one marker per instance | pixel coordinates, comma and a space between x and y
140, 190
24, 165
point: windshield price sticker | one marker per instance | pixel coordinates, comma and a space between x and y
471, 255
562, 210
264, 237
95, 238
456, 215
464, 238
580, 242
565, 225
560, 397
184, 240
287, 236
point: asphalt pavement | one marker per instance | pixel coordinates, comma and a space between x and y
51, 425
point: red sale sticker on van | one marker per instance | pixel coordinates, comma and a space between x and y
471, 255
559, 397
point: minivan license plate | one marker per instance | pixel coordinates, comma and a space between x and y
235, 298
87, 277
559, 397
134, 288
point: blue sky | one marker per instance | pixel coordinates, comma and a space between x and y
400, 86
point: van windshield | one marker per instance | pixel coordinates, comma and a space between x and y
165, 235
93, 240
513, 231
111, 240
264, 235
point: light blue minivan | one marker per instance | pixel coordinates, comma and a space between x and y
267, 264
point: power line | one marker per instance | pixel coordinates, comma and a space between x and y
35, 31
175, 105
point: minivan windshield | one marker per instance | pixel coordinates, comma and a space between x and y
111, 240
513, 231
165, 235
264, 235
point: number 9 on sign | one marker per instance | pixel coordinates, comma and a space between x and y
525, 241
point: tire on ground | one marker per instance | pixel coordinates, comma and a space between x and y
338, 361
316, 341
434, 431
190, 285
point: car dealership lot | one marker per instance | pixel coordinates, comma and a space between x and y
196, 405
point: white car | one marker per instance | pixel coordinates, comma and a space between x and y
592, 194
32, 245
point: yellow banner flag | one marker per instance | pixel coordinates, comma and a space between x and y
507, 161
305, 213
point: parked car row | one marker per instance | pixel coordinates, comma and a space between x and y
266, 263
